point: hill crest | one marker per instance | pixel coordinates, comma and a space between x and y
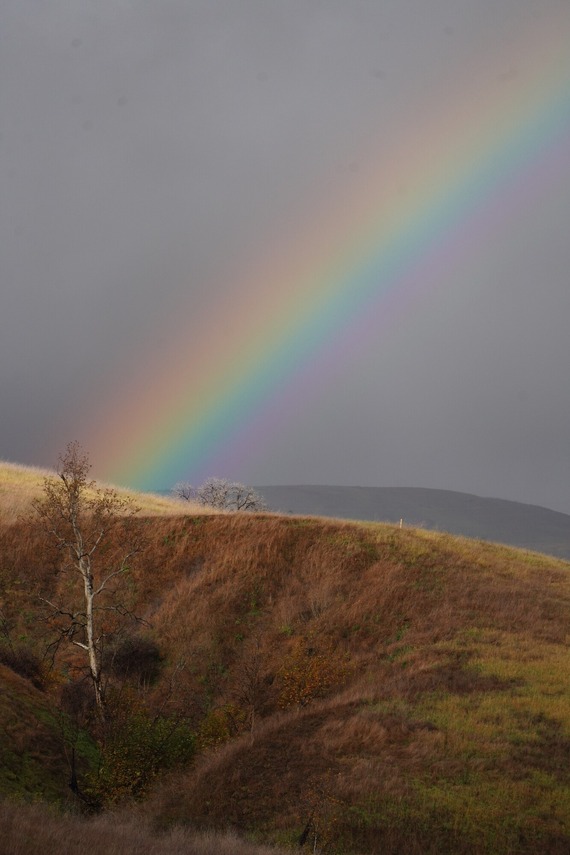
498, 520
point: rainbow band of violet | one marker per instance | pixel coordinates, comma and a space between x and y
214, 399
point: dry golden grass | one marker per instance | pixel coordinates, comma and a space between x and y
404, 690
449, 657
20, 485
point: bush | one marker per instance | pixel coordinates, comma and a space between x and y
24, 662
137, 657
137, 751
307, 674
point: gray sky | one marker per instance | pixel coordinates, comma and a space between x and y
149, 151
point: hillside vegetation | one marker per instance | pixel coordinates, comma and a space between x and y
512, 523
361, 687
19, 485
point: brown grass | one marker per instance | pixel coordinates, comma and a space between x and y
35, 830
404, 690
32, 761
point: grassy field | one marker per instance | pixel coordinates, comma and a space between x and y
362, 687
19, 485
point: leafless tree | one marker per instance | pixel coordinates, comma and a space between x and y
253, 684
81, 520
184, 490
222, 494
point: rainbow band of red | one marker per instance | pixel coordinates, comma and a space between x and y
430, 201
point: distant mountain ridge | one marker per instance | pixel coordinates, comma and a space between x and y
499, 520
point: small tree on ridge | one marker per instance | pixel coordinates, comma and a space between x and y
222, 494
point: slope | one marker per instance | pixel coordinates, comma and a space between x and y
513, 523
20, 485
362, 686
392, 688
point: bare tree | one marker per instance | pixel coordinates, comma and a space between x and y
222, 494
80, 519
184, 490
252, 688
246, 498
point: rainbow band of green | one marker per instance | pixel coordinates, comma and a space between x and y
184, 426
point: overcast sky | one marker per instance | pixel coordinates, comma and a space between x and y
151, 149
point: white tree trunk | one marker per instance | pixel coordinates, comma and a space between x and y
90, 640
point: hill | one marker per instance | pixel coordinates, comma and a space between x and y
513, 523
20, 485
359, 686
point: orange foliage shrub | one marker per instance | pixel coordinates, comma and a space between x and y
219, 725
307, 674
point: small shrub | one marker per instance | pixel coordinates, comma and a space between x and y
137, 752
24, 662
220, 725
137, 657
307, 674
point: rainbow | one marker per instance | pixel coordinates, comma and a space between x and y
446, 183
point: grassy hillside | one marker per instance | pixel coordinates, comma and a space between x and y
20, 485
373, 688
512, 523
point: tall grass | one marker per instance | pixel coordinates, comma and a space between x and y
20, 485
36, 830
390, 689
